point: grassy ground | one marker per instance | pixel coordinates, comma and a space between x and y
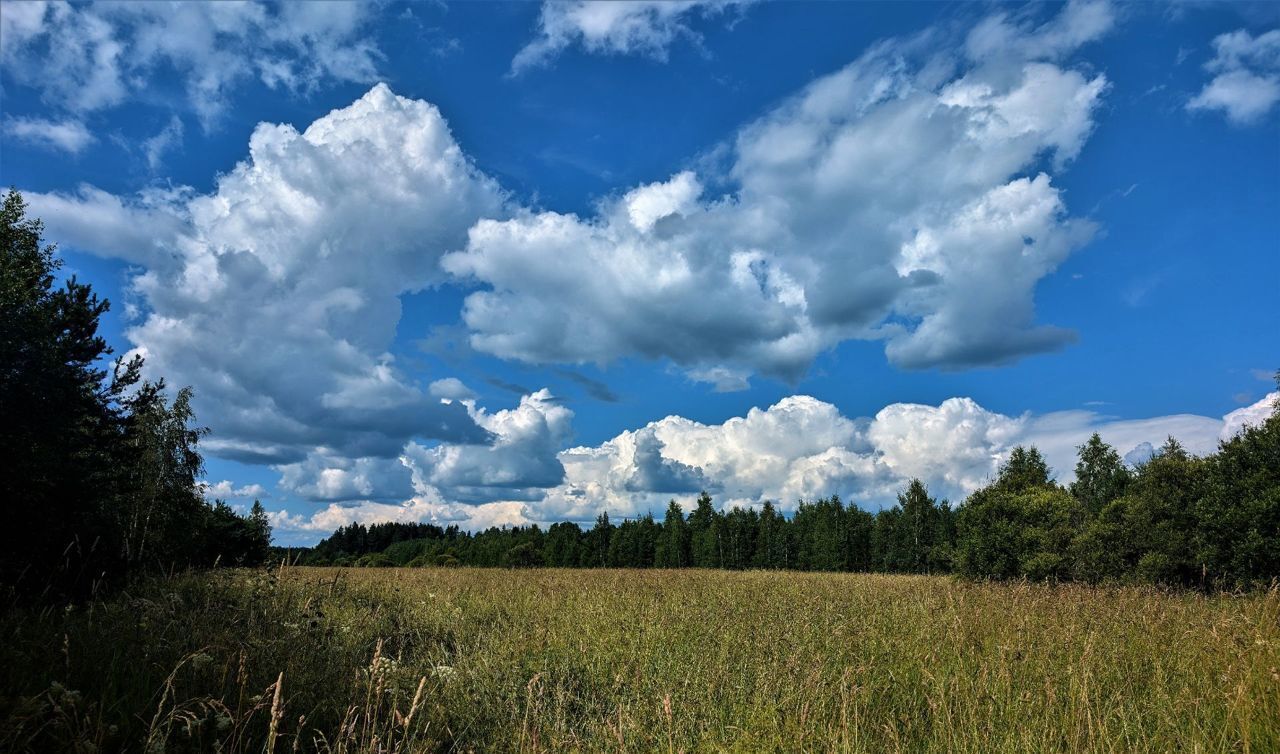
439, 659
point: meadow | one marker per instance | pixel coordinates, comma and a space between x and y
462, 659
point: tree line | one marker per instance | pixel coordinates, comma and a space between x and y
101, 467
1175, 519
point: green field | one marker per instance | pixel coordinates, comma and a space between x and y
537, 660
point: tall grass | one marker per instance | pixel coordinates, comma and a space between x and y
466, 659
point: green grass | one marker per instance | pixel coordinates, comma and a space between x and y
469, 659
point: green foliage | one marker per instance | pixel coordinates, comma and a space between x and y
706, 534
228, 538
374, 560
1101, 475
101, 470
1021, 525
1238, 512
523, 555
772, 546
915, 536
672, 549
562, 547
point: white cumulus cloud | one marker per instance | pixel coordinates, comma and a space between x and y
798, 448
276, 296
1246, 84
902, 198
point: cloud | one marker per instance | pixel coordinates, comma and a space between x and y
647, 205
226, 490
299, 529
139, 229
450, 388
906, 198
510, 387
804, 448
1140, 454
1253, 415
653, 473
1247, 81
519, 462
1079, 23
722, 379
636, 27
328, 476
88, 57
595, 388
276, 296
69, 135
798, 448
168, 139
1244, 96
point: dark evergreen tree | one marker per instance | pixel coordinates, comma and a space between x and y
820, 535
741, 525
771, 539
101, 470
62, 419
886, 550
859, 532
673, 540
562, 547
918, 529
705, 533
598, 539
646, 542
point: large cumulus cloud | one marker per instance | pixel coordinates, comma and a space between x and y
907, 197
277, 295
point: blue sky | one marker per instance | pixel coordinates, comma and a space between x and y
534, 262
